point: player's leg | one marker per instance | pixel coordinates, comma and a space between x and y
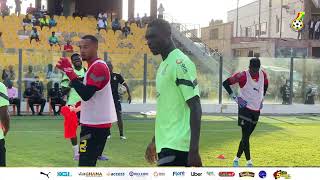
75, 148
88, 146
53, 105
102, 139
242, 118
250, 128
74, 143
31, 103
43, 103
120, 121
17, 102
2, 153
171, 157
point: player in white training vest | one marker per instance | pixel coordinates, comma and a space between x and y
253, 87
97, 107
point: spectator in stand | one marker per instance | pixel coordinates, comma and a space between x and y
58, 7
18, 7
34, 96
317, 29
56, 98
116, 25
160, 11
138, 20
44, 22
68, 47
26, 21
102, 24
311, 25
13, 96
5, 77
52, 22
126, 30
29, 77
43, 10
103, 16
145, 20
11, 73
30, 9
5, 11
53, 40
34, 35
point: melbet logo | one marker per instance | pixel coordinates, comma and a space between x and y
278, 174
175, 173
196, 174
246, 174
227, 174
90, 174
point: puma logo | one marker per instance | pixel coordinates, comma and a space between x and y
256, 89
45, 174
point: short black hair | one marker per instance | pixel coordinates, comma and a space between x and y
255, 63
162, 24
91, 38
74, 55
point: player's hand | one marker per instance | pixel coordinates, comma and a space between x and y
194, 159
241, 102
261, 105
65, 65
151, 154
5, 130
129, 99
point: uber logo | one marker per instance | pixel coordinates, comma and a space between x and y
196, 174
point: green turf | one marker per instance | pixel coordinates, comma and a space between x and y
277, 141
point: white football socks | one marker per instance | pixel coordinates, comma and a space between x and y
236, 159
75, 149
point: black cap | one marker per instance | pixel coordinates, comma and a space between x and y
255, 63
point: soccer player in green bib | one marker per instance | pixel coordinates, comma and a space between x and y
178, 120
73, 97
4, 122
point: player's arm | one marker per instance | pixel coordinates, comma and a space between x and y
4, 115
186, 80
84, 91
122, 81
236, 78
266, 83
195, 126
5, 119
97, 77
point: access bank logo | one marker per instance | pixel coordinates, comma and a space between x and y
64, 174
115, 174
178, 173
138, 174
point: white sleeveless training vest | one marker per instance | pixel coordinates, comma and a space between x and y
252, 91
100, 108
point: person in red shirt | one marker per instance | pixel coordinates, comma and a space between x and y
68, 47
253, 87
97, 107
